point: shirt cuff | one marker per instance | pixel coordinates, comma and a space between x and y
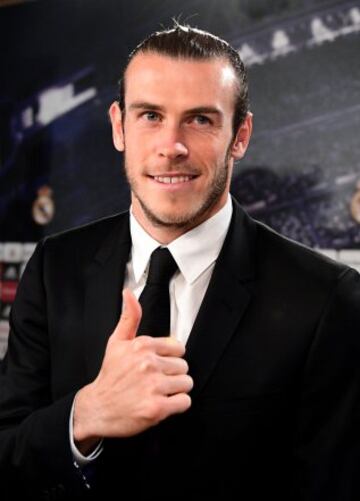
79, 459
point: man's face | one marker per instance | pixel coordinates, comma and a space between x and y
177, 136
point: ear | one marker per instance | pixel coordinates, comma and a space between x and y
117, 126
242, 138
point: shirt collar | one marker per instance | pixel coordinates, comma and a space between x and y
194, 251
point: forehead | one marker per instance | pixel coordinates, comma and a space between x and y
152, 77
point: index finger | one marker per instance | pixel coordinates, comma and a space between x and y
167, 346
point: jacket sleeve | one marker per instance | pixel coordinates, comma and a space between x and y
34, 428
327, 441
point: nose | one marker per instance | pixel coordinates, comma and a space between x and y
171, 144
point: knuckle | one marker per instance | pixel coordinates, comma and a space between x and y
156, 383
148, 363
141, 342
153, 410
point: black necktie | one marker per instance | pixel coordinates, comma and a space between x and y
154, 299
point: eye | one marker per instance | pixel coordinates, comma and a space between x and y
201, 119
150, 116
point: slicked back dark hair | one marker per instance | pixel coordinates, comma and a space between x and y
186, 42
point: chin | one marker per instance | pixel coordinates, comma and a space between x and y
173, 218
167, 220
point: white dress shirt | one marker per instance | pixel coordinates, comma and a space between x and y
195, 253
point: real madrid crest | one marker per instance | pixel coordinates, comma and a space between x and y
43, 208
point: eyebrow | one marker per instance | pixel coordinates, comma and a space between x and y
143, 105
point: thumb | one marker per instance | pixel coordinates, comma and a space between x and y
130, 317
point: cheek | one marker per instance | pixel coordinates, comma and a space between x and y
210, 159
135, 143
135, 158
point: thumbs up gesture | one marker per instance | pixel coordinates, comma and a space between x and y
142, 381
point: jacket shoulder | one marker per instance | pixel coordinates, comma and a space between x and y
292, 255
84, 241
89, 231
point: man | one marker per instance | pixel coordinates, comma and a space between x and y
256, 391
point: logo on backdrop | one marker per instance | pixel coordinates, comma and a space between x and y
43, 208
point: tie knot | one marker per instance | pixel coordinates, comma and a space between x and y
162, 266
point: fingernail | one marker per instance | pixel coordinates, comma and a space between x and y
171, 340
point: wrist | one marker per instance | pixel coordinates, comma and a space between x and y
83, 432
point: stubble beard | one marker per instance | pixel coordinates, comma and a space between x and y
193, 216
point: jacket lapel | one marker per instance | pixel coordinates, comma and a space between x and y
225, 301
103, 293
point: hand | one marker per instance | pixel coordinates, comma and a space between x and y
142, 381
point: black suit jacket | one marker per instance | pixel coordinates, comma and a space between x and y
274, 354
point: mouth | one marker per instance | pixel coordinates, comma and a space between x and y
174, 179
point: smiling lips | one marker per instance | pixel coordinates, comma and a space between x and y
173, 179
